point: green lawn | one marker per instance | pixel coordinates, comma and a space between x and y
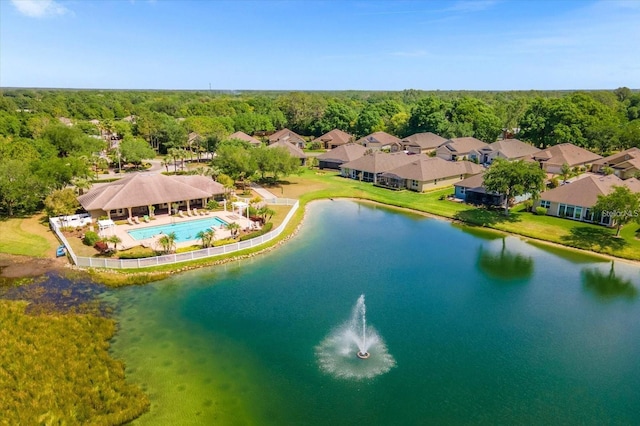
547, 228
28, 236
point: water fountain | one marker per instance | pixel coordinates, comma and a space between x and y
336, 352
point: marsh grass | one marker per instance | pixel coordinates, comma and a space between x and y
56, 369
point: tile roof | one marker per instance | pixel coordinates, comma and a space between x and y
431, 168
566, 153
144, 189
584, 191
344, 153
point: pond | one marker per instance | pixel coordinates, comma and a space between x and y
478, 329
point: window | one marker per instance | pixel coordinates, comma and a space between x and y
462, 189
546, 204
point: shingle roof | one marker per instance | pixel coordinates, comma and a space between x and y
475, 181
633, 152
566, 153
584, 192
430, 168
336, 137
464, 145
294, 151
344, 153
144, 189
285, 135
379, 162
381, 138
513, 148
426, 140
244, 137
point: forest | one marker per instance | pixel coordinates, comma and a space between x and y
51, 139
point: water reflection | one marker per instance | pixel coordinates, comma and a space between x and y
608, 285
504, 265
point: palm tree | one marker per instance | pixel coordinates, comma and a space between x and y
81, 185
165, 162
234, 228
266, 213
174, 153
167, 242
115, 240
207, 237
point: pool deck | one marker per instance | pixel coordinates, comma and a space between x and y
127, 241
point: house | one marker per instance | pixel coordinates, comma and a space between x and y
422, 143
333, 139
369, 167
381, 141
340, 155
508, 149
286, 135
625, 164
135, 194
245, 137
574, 200
552, 158
426, 173
193, 139
292, 149
472, 191
466, 148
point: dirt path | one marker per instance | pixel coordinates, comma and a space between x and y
24, 266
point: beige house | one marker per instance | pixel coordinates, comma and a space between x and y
625, 164
369, 167
466, 148
508, 149
381, 141
334, 139
286, 135
574, 200
552, 158
140, 194
427, 173
245, 137
340, 155
422, 143
292, 149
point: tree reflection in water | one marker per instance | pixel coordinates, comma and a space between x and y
505, 265
607, 285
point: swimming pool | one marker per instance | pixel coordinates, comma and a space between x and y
185, 231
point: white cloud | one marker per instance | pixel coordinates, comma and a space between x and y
39, 8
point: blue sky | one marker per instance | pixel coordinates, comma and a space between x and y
320, 45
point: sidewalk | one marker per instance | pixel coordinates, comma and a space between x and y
261, 191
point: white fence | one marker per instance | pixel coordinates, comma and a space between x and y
99, 262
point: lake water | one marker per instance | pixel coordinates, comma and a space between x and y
483, 330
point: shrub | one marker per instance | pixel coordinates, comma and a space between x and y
90, 238
213, 205
541, 211
528, 205
554, 183
266, 228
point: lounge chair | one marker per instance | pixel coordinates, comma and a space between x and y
195, 212
180, 213
136, 220
146, 218
189, 213
130, 221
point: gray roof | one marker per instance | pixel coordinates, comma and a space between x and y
472, 182
426, 169
584, 191
145, 189
343, 153
513, 148
294, 151
379, 162
426, 140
